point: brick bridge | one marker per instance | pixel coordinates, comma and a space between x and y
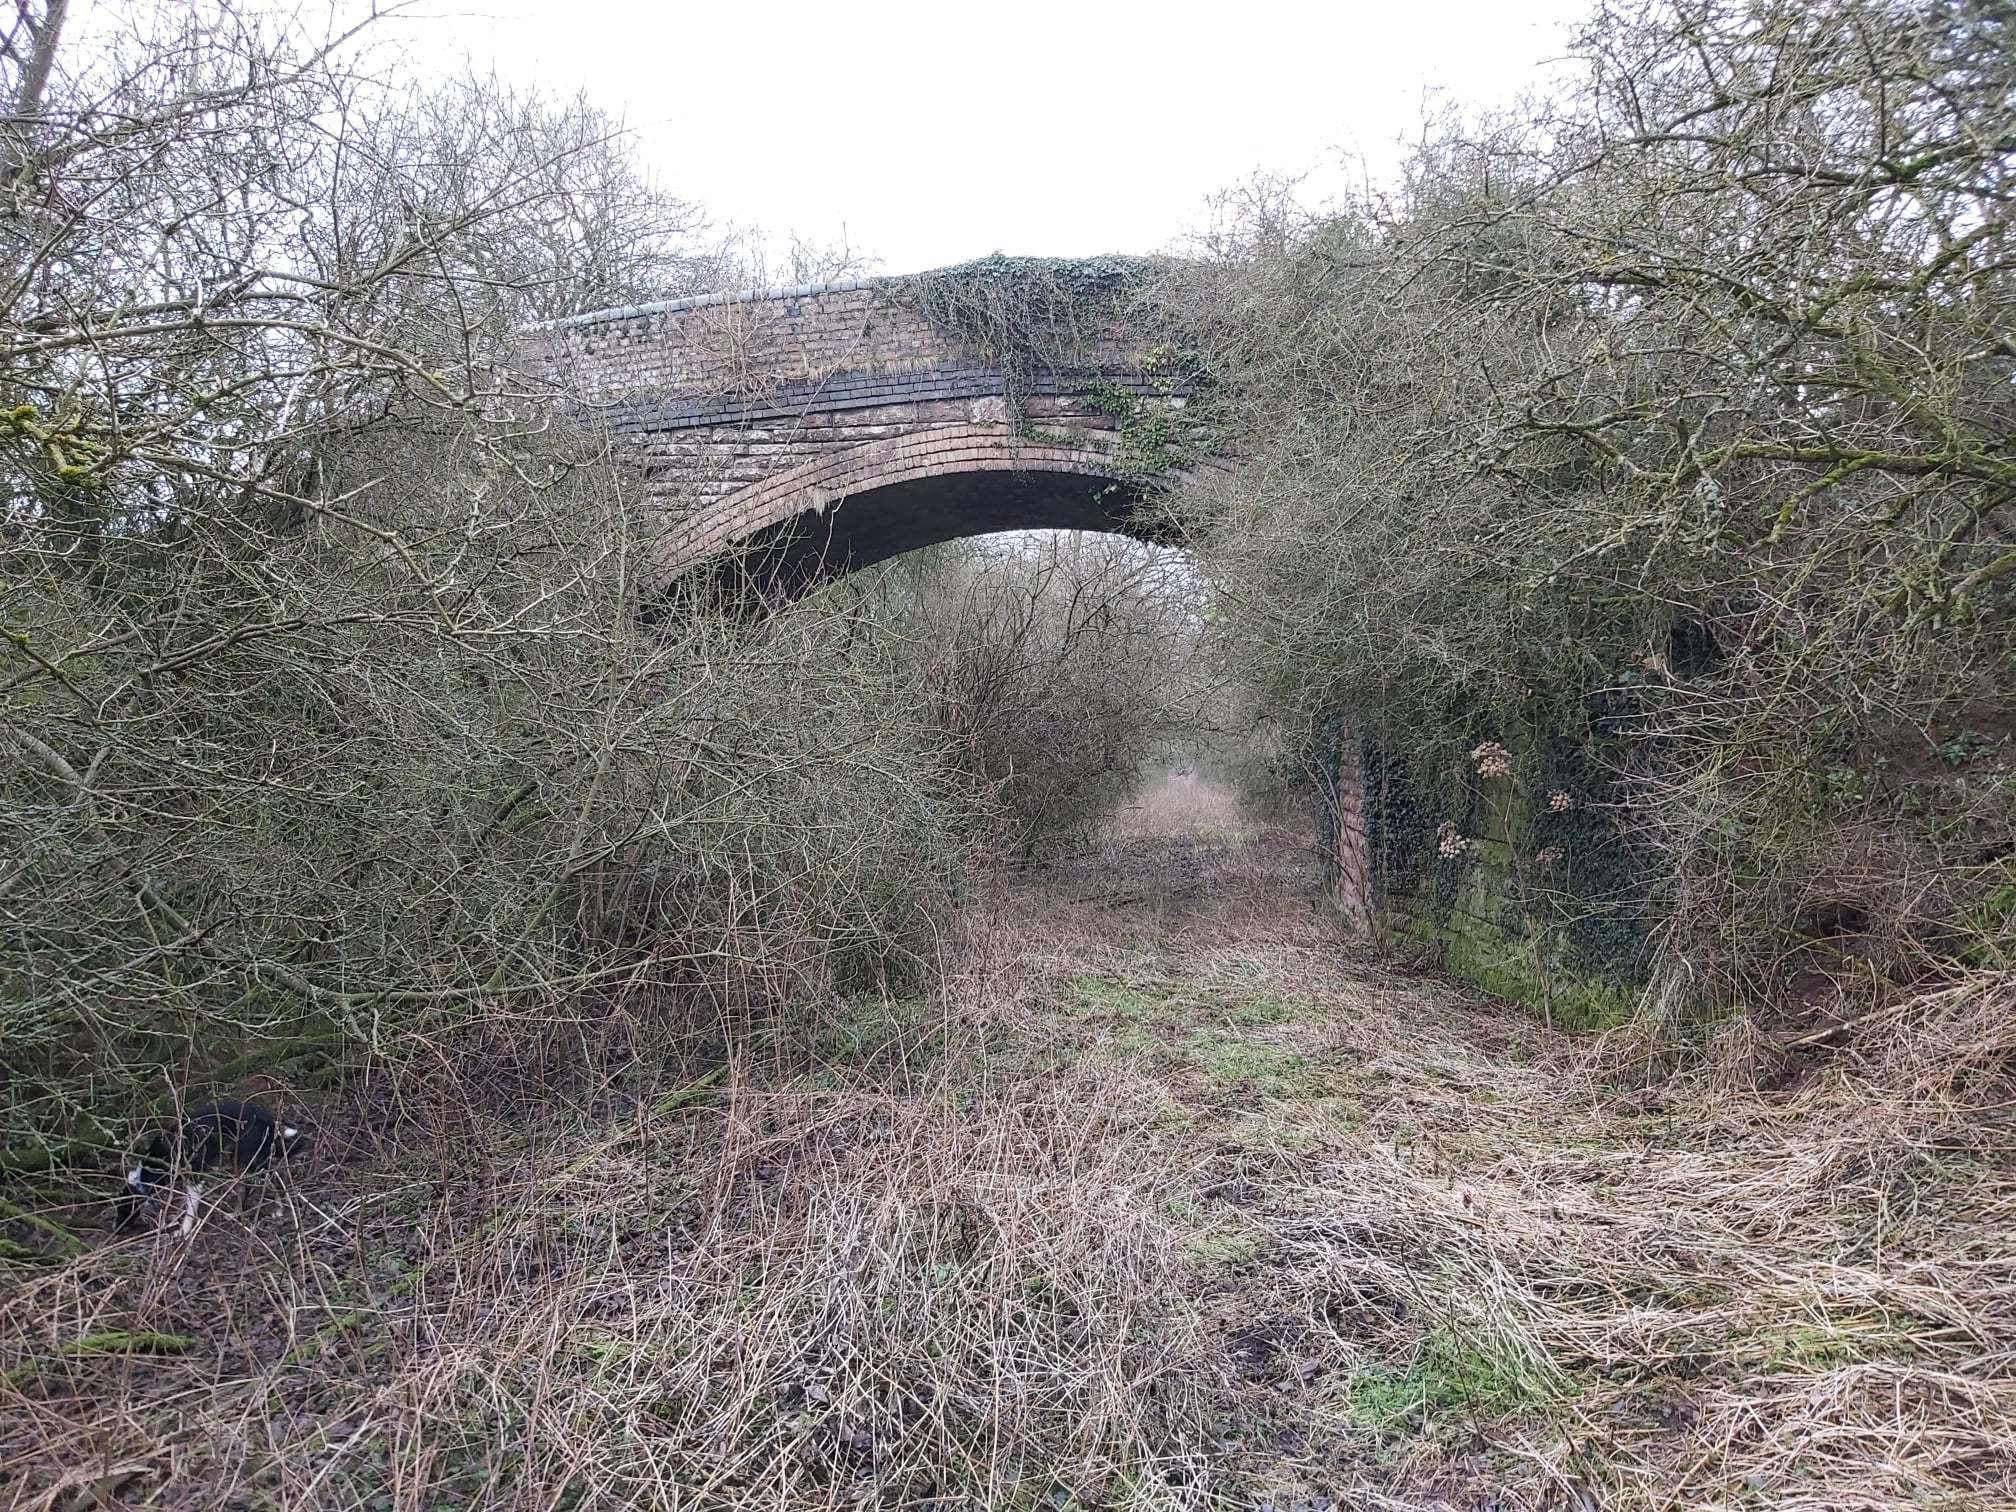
803, 432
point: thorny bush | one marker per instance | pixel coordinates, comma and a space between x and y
328, 722
1055, 667
1669, 418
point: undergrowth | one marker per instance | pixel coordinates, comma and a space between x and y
1008, 1244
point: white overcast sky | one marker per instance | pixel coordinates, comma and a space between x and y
935, 133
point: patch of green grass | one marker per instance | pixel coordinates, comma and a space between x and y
1262, 1011
1387, 1399
1097, 997
1094, 997
1264, 1129
1182, 1207
1450, 1376
1225, 1246
1245, 1064
862, 1025
1214, 1035
1807, 1348
1823, 1346
1137, 1039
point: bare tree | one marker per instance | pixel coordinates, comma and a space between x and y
326, 714
1057, 666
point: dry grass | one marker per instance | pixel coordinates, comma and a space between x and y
1162, 1200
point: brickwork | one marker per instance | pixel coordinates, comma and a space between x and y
1351, 851
823, 483
750, 413
839, 342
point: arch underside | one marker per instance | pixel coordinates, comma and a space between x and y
825, 541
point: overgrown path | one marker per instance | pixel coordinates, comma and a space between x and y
1167, 1196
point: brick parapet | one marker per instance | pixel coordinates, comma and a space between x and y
775, 348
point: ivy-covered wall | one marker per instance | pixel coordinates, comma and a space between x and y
1506, 869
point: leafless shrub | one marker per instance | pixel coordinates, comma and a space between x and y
1686, 393
1057, 666
328, 719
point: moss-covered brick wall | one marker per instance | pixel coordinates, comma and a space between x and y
1504, 867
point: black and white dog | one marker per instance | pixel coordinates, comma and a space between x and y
228, 1134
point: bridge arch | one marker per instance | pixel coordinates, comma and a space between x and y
787, 535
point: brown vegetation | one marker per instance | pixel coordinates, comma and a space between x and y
697, 1125
1057, 665
1154, 1201
328, 719
1663, 426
